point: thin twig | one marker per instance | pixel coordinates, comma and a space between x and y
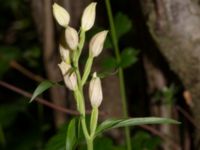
39, 100
44, 101
187, 116
26, 72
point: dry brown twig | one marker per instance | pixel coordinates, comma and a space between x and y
14, 64
43, 101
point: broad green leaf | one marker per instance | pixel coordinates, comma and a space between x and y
71, 138
122, 24
128, 57
109, 63
43, 86
110, 124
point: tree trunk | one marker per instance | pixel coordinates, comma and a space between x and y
174, 26
158, 83
42, 14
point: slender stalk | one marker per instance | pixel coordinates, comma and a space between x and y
84, 127
90, 144
39, 100
94, 121
79, 92
121, 74
87, 69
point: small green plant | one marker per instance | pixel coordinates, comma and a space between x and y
75, 81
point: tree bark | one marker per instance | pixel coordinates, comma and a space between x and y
174, 26
42, 14
157, 83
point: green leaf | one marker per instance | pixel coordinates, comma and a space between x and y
110, 124
128, 57
122, 24
71, 138
145, 120
43, 86
109, 63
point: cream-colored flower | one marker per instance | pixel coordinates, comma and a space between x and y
71, 36
61, 15
88, 17
65, 54
69, 78
97, 42
95, 91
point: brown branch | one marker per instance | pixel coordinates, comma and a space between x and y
39, 100
187, 116
25, 71
43, 101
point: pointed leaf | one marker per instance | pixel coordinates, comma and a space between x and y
43, 86
128, 57
145, 120
122, 24
109, 63
110, 124
71, 135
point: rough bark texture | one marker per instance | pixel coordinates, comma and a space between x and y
157, 82
174, 25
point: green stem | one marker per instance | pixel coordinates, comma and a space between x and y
82, 39
121, 75
84, 127
124, 105
90, 144
77, 55
80, 102
93, 121
87, 69
78, 77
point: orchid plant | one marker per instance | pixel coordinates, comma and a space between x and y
75, 80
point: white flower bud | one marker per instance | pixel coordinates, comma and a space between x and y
71, 36
88, 17
61, 15
95, 91
97, 42
69, 78
65, 54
